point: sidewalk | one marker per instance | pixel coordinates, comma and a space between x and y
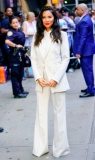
17, 117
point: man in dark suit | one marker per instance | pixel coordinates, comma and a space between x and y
84, 49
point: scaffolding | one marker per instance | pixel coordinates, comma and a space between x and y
2, 5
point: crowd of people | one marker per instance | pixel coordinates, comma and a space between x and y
27, 23
68, 35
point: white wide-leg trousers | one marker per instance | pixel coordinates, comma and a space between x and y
60, 141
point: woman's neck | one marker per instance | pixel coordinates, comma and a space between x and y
29, 21
48, 29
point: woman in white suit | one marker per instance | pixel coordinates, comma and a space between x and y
50, 58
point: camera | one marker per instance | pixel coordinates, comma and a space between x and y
17, 50
24, 50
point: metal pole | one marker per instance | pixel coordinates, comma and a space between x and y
76, 1
0, 5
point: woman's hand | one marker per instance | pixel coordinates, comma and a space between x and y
52, 83
42, 82
19, 46
78, 56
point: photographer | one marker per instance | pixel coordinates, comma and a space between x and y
15, 40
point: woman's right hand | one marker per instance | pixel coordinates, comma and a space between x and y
19, 46
42, 82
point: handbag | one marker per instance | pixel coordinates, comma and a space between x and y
75, 64
3, 74
27, 62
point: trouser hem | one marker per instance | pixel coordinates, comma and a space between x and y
64, 154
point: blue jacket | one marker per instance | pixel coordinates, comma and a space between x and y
83, 39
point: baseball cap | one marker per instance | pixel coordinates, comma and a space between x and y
18, 14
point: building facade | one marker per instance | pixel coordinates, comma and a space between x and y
30, 5
24, 5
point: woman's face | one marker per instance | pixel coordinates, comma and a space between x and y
47, 19
14, 24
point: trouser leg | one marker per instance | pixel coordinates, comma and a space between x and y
87, 69
21, 77
40, 146
15, 80
15, 85
60, 141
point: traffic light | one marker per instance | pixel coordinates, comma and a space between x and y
55, 1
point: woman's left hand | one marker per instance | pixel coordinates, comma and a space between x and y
52, 83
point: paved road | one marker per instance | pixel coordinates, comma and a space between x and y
17, 117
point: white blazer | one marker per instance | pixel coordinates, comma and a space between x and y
55, 62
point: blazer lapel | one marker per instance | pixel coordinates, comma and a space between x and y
40, 49
82, 18
45, 50
45, 45
48, 47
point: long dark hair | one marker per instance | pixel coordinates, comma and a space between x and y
55, 33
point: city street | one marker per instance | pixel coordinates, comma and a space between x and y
17, 117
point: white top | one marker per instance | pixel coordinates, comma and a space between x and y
44, 42
82, 16
31, 29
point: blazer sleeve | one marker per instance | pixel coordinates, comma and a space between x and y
64, 49
83, 32
34, 61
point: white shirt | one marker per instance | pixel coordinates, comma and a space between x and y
44, 42
31, 29
82, 16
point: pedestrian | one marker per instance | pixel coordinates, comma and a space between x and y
83, 48
15, 39
5, 26
36, 12
20, 18
62, 22
50, 75
29, 29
